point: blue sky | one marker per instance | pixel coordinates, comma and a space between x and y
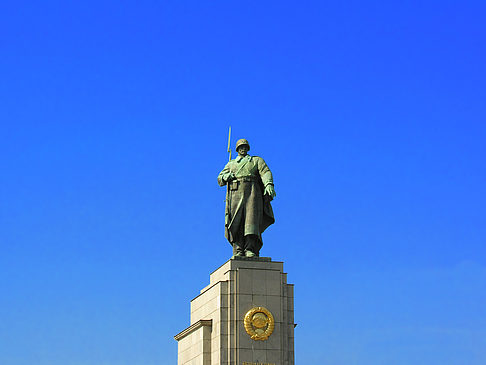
114, 120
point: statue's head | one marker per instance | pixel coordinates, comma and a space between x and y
242, 146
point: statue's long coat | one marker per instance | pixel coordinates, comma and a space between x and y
248, 211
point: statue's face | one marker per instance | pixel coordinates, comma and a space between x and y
242, 150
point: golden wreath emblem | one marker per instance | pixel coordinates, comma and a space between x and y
259, 323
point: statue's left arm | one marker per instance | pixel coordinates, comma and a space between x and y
267, 178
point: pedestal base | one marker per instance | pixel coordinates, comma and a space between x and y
242, 297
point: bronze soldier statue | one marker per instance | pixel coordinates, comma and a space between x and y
249, 192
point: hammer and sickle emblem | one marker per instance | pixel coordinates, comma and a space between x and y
259, 323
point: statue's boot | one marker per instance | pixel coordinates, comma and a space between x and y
238, 250
249, 253
251, 245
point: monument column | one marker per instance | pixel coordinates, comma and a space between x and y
245, 316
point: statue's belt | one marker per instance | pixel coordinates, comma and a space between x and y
247, 178
234, 183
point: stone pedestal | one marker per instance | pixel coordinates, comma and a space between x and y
242, 297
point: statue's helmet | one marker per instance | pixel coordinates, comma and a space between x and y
242, 142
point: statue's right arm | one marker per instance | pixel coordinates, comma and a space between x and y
225, 175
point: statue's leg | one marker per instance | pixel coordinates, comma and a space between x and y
251, 245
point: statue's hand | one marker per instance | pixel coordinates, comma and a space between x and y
230, 176
270, 191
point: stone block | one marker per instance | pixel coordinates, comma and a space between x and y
274, 305
259, 286
245, 281
259, 300
245, 303
273, 283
